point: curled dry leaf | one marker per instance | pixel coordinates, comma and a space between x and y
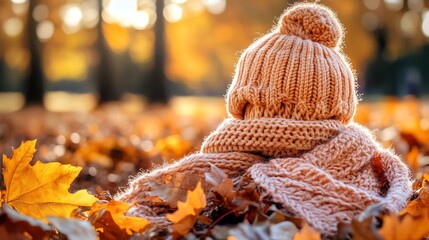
419, 206
41, 190
215, 176
422, 182
223, 188
110, 221
187, 212
173, 188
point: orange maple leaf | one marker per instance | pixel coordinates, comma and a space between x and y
187, 212
41, 190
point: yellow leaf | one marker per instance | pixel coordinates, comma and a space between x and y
187, 212
117, 210
41, 190
307, 233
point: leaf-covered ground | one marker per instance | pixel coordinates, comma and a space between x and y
107, 146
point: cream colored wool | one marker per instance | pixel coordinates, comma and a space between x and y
291, 105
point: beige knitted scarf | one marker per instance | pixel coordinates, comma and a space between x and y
323, 171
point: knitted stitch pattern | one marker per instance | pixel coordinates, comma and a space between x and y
291, 104
296, 71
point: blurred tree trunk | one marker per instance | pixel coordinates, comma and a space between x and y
106, 85
156, 85
33, 88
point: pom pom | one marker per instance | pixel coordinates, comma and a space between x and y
314, 22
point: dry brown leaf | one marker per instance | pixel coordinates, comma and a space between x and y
41, 190
215, 176
173, 188
187, 212
418, 206
364, 230
307, 233
109, 218
422, 182
406, 227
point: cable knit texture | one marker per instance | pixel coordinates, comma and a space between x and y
291, 106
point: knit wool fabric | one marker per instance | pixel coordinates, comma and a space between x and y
291, 106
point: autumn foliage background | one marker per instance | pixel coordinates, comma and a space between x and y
109, 90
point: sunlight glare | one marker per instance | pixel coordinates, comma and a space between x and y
173, 12
140, 20
19, 1
120, 11
215, 6
395, 5
72, 15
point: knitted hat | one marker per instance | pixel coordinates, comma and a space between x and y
296, 71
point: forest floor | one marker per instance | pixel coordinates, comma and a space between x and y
118, 140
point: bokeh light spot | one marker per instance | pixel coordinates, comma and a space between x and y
173, 12
13, 26
45, 30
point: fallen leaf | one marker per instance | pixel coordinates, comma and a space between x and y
421, 182
215, 176
41, 190
226, 191
106, 227
307, 233
419, 206
173, 147
187, 212
73, 229
406, 227
364, 230
18, 226
413, 159
173, 188
223, 188
107, 216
